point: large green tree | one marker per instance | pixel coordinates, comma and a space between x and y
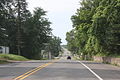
97, 27
5, 15
55, 46
36, 33
24, 33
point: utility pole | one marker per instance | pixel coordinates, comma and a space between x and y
49, 55
18, 28
48, 49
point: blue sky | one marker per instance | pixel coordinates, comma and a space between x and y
59, 13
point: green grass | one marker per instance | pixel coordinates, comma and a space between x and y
3, 61
12, 57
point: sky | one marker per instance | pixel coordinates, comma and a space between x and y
59, 13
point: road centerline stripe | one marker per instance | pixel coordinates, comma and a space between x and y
28, 72
23, 76
91, 70
33, 72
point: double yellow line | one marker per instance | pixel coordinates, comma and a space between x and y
25, 75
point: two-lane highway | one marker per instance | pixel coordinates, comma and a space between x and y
58, 70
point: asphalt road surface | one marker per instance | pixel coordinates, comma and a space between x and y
61, 69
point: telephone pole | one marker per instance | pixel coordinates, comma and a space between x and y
18, 28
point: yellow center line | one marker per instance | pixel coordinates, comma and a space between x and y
33, 72
28, 72
23, 76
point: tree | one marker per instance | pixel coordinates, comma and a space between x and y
22, 15
6, 21
55, 46
36, 33
96, 25
22, 31
72, 41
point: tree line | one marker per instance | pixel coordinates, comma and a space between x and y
26, 33
96, 28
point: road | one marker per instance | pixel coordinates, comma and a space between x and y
61, 69
58, 70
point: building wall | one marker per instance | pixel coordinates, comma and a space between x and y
4, 50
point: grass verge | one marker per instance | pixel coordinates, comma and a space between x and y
3, 61
5, 57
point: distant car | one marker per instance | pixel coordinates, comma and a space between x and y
68, 57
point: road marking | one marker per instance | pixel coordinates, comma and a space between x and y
23, 76
91, 70
28, 72
33, 72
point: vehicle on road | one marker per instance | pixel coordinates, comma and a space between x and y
69, 58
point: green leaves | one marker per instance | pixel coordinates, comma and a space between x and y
37, 31
19, 27
55, 46
97, 27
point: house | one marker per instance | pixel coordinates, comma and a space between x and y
4, 50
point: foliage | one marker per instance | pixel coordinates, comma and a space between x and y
72, 45
36, 32
97, 28
23, 32
55, 46
64, 46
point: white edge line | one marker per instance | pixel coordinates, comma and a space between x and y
91, 70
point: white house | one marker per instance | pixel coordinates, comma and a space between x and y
4, 49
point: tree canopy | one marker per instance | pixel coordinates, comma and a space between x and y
96, 28
24, 32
